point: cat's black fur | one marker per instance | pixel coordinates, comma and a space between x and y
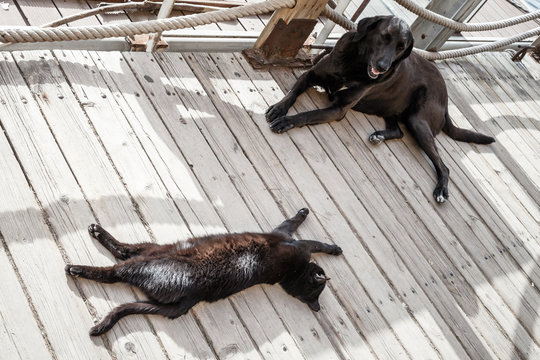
178, 276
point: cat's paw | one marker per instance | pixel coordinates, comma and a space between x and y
335, 250
73, 270
95, 230
303, 212
97, 330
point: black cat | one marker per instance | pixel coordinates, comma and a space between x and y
178, 276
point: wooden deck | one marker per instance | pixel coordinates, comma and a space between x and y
161, 147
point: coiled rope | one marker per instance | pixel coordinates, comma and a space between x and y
38, 34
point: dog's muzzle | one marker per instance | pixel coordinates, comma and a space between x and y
372, 72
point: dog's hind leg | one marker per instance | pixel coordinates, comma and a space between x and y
172, 311
119, 250
289, 226
280, 109
392, 131
426, 139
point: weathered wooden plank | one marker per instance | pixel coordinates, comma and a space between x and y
515, 153
71, 7
519, 77
513, 97
33, 248
38, 12
522, 124
103, 191
507, 205
10, 15
20, 336
168, 159
220, 320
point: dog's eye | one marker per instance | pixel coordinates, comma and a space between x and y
387, 38
400, 47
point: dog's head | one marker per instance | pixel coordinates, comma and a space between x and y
383, 41
307, 286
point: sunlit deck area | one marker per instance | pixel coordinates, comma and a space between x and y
164, 146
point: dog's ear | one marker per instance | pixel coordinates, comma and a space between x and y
365, 25
409, 50
406, 53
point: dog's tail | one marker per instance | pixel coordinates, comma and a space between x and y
463, 134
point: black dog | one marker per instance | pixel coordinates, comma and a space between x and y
374, 70
180, 275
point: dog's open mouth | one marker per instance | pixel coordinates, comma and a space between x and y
372, 72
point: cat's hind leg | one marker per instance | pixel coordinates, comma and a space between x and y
172, 311
119, 250
289, 226
101, 274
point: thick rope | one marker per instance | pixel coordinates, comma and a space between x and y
449, 54
458, 26
37, 34
339, 19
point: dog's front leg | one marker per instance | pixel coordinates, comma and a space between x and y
280, 109
344, 100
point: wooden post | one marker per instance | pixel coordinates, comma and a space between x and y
430, 36
287, 29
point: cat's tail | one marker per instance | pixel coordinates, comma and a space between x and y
464, 135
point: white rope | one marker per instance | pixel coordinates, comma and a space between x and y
458, 26
37, 34
339, 19
449, 54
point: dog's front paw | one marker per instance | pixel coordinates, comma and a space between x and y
275, 111
282, 124
376, 138
440, 194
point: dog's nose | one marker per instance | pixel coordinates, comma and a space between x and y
382, 66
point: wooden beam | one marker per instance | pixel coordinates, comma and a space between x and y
430, 36
304, 9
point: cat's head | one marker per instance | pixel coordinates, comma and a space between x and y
307, 285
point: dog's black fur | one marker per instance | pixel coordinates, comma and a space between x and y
178, 276
374, 70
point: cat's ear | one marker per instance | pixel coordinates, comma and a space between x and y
314, 305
